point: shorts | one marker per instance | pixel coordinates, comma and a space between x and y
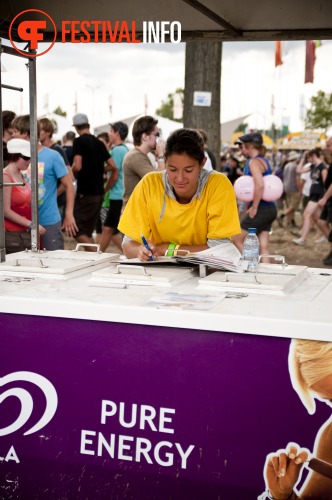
266, 215
293, 200
53, 238
113, 214
86, 213
327, 212
315, 197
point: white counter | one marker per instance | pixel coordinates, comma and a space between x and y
302, 313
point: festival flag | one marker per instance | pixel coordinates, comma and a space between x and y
278, 59
310, 58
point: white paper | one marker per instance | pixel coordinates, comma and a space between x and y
180, 300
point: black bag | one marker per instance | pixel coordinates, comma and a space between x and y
17, 241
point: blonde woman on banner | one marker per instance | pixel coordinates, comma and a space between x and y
310, 367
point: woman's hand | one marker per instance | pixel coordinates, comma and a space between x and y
155, 251
252, 211
282, 470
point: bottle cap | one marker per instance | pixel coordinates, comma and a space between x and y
252, 230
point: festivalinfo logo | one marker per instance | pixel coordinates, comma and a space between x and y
33, 30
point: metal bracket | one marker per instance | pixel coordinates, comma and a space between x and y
31, 262
243, 276
130, 267
95, 245
279, 258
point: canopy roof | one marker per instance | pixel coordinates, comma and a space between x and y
304, 140
200, 20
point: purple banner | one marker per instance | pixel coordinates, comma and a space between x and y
93, 410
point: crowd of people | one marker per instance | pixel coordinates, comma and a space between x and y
104, 189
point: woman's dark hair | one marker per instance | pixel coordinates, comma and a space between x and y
185, 141
315, 151
13, 157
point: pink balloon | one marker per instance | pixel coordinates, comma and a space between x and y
244, 188
273, 188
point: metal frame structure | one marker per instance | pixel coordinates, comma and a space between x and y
35, 245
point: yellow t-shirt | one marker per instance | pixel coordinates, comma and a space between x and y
214, 216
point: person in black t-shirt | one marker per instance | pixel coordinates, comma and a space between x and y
67, 145
91, 160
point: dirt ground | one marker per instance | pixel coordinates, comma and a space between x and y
280, 244
311, 255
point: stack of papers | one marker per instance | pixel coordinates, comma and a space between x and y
225, 256
181, 300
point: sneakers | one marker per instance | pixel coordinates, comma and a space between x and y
322, 239
299, 241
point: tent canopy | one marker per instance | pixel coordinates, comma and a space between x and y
305, 140
200, 20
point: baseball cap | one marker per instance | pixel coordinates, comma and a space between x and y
80, 119
254, 137
120, 127
19, 146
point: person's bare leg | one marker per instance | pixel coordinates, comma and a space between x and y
84, 238
264, 245
105, 238
117, 240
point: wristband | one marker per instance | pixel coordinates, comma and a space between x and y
161, 158
170, 249
176, 250
30, 225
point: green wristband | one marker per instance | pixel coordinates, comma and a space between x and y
170, 249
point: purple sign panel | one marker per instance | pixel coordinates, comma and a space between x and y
93, 410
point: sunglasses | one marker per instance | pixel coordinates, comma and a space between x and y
157, 134
25, 158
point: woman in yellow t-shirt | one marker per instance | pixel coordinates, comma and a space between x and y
183, 207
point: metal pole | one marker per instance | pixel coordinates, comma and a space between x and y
35, 245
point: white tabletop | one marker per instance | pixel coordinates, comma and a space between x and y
301, 313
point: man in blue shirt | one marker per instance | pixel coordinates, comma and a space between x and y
114, 187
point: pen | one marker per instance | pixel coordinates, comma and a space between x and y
145, 243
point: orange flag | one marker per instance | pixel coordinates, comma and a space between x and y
310, 58
278, 60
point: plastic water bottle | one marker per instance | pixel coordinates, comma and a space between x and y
251, 249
